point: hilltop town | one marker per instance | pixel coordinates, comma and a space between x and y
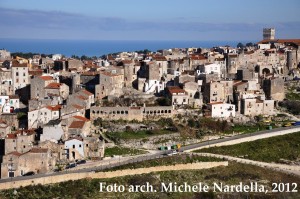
56, 111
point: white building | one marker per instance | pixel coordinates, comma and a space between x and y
19, 76
221, 110
56, 57
209, 69
42, 116
74, 148
9, 103
52, 131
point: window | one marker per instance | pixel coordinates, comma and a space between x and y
24, 146
73, 146
87, 145
24, 74
79, 145
17, 73
184, 100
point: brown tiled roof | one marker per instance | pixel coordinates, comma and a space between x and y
46, 78
197, 57
54, 108
11, 136
38, 150
77, 125
16, 153
239, 83
159, 58
87, 92
259, 101
295, 41
89, 73
15, 63
14, 97
38, 72
109, 74
81, 118
126, 61
81, 97
53, 85
213, 103
77, 106
175, 89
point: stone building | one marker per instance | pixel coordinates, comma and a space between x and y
57, 89
177, 95
79, 126
111, 83
20, 141
256, 106
20, 78
214, 92
131, 113
38, 84
37, 160
11, 119
4, 129
6, 87
274, 88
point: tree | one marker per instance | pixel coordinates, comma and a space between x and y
250, 44
240, 45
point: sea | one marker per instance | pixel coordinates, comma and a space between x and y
99, 47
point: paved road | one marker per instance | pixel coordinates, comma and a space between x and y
141, 158
213, 142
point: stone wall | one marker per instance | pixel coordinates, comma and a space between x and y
112, 174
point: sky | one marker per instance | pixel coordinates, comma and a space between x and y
198, 20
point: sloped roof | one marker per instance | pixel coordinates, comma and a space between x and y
81, 118
77, 125
175, 89
54, 108
53, 85
46, 78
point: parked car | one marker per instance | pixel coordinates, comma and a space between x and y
81, 162
30, 173
71, 165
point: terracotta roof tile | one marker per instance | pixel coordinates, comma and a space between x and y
53, 85
46, 78
77, 125
54, 108
81, 118
77, 106
38, 150
16, 153
175, 89
87, 92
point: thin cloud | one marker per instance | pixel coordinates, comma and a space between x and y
53, 23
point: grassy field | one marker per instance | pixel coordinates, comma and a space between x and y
292, 95
233, 174
267, 150
116, 136
168, 160
122, 151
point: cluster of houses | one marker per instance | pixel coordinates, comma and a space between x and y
62, 96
